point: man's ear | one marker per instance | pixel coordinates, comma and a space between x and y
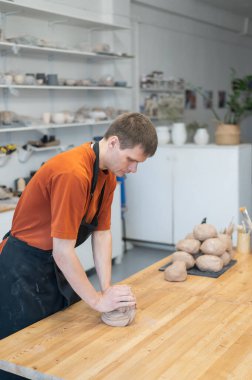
113, 142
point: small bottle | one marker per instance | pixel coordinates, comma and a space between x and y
20, 185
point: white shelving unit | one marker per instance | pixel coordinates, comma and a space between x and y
17, 48
157, 90
44, 127
55, 14
45, 87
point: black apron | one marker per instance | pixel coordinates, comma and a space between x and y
35, 288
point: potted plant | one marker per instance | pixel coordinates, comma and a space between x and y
239, 105
198, 132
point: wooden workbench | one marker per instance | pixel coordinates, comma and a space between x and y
198, 329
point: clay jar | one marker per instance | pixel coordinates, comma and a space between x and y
41, 78
52, 80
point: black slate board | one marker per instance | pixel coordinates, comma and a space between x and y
196, 272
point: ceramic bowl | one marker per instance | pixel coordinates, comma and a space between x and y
70, 82
19, 78
58, 118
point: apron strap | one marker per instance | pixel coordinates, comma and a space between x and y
95, 168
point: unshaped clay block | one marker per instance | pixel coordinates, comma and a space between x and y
204, 231
209, 263
121, 317
213, 246
185, 257
226, 258
188, 245
176, 272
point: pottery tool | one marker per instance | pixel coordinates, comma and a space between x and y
247, 219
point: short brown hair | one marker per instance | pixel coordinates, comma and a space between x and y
133, 128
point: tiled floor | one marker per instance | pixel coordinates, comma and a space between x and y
133, 260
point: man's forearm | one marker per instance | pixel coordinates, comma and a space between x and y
69, 264
102, 252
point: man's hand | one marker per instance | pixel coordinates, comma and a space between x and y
115, 297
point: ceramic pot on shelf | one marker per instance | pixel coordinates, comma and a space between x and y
201, 136
179, 134
163, 134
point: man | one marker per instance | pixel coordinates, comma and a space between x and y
68, 199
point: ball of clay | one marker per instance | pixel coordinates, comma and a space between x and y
226, 258
185, 257
226, 240
188, 245
209, 263
213, 246
119, 318
176, 272
204, 231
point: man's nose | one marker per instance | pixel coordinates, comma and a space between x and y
133, 167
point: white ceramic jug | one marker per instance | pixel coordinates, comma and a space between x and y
179, 133
201, 136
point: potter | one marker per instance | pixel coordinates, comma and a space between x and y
66, 201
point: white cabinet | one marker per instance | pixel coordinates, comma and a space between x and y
180, 186
149, 200
84, 251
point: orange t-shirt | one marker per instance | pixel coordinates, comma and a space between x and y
57, 197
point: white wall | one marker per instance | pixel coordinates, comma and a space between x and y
172, 38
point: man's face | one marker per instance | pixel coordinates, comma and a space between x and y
124, 161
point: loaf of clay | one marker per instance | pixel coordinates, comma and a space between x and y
213, 246
188, 245
209, 263
226, 258
204, 231
176, 272
185, 257
119, 318
227, 240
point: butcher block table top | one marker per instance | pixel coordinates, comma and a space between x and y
198, 329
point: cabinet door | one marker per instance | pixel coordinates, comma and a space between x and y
149, 200
205, 185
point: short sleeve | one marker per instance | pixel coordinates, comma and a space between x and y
69, 195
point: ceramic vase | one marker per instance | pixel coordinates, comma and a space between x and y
179, 134
201, 136
163, 135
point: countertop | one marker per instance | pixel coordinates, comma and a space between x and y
8, 204
197, 329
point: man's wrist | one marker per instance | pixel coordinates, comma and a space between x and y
94, 301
